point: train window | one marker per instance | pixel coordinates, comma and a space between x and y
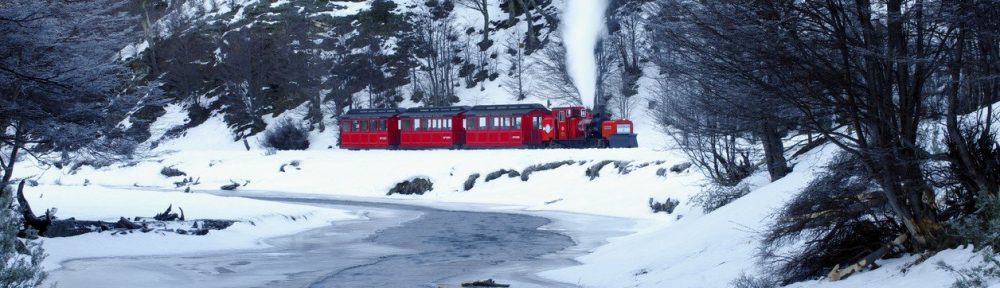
382, 125
355, 125
623, 129
373, 125
447, 124
363, 125
416, 124
496, 123
536, 122
517, 122
482, 123
561, 116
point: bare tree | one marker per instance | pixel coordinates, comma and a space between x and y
483, 7
436, 51
520, 68
554, 82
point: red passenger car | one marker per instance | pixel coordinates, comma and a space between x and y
369, 128
518, 125
432, 127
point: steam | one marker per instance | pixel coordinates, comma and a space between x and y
583, 24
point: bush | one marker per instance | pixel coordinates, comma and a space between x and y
594, 171
22, 258
417, 186
840, 216
542, 167
983, 231
662, 172
496, 174
666, 206
749, 281
680, 167
979, 276
287, 135
471, 182
171, 172
715, 196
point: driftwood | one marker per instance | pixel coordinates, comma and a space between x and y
230, 187
484, 283
168, 216
840, 273
48, 226
39, 224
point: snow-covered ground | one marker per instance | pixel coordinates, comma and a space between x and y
685, 249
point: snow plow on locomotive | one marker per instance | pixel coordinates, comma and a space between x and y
483, 126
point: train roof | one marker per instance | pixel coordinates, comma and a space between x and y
370, 113
434, 111
510, 109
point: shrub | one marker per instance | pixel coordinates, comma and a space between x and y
594, 171
496, 174
749, 281
840, 216
543, 167
171, 172
979, 276
715, 196
22, 258
287, 135
471, 182
666, 206
983, 231
417, 186
662, 172
680, 167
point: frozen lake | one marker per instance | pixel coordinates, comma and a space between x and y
398, 246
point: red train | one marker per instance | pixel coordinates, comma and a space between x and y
482, 126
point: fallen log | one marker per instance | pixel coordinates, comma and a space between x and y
838, 273
484, 283
39, 224
168, 216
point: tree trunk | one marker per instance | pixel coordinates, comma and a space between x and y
774, 151
485, 10
8, 171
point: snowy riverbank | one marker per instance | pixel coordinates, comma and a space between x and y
257, 220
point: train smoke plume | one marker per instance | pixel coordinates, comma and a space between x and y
583, 24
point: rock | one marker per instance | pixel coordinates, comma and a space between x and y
230, 187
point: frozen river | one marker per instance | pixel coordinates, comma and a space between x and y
397, 246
